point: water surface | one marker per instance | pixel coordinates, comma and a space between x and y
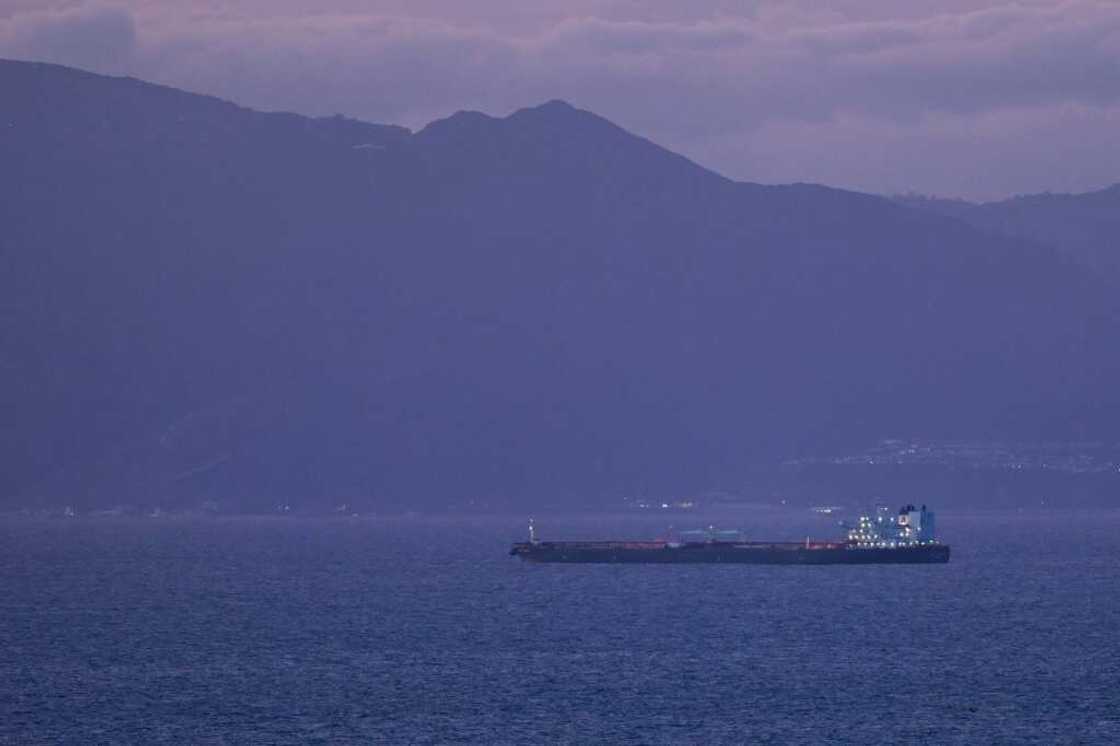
267, 630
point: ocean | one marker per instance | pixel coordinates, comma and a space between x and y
363, 630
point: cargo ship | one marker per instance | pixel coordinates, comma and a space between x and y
906, 537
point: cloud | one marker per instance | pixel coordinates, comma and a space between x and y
708, 78
96, 37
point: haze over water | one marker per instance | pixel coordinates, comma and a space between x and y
265, 630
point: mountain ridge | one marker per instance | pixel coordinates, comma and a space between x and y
1084, 226
540, 307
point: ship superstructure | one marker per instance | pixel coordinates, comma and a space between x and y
909, 527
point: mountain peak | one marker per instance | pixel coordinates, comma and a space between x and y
555, 105
560, 113
460, 121
555, 110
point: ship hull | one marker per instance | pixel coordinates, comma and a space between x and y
790, 554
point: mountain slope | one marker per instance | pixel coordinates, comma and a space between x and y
1085, 226
204, 302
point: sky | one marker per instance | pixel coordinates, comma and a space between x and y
957, 98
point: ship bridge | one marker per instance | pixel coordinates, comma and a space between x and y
909, 527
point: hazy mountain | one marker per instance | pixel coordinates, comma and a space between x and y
949, 207
1083, 226
203, 302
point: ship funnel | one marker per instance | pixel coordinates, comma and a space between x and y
532, 532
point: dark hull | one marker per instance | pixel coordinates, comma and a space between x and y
733, 554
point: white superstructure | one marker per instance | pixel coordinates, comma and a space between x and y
909, 527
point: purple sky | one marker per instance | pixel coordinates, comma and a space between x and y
958, 98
